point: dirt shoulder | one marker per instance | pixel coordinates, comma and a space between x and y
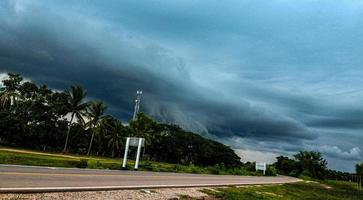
155, 194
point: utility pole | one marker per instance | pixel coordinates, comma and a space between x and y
137, 104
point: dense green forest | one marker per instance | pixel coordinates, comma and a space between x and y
37, 117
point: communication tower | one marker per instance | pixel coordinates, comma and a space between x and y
137, 104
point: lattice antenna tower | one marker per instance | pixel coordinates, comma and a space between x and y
137, 104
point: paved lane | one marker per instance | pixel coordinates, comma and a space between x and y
43, 179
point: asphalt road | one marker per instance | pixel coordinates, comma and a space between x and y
45, 179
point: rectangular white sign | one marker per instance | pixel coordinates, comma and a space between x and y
134, 142
261, 166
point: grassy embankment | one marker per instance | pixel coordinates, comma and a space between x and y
326, 190
37, 158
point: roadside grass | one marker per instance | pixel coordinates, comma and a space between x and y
37, 158
306, 190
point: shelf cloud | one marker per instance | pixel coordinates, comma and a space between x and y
276, 77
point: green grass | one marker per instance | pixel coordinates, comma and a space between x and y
37, 158
17, 158
327, 190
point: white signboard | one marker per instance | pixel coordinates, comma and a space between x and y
133, 142
261, 166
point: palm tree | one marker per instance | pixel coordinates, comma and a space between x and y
5, 99
9, 91
76, 106
115, 136
95, 113
143, 127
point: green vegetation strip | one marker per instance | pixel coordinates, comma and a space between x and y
9, 156
34, 158
327, 190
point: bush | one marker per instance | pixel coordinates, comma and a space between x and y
178, 168
294, 173
82, 163
306, 173
194, 169
147, 166
271, 171
94, 164
214, 170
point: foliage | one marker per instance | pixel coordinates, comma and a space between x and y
287, 166
10, 90
95, 113
116, 134
27, 157
94, 164
174, 145
82, 163
143, 127
34, 116
331, 190
359, 169
312, 163
305, 163
76, 107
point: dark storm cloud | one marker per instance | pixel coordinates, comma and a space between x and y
276, 77
338, 123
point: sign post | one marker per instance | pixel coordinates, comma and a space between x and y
126, 151
138, 153
261, 166
133, 142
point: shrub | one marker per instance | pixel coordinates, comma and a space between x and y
178, 168
214, 170
82, 163
147, 166
271, 171
94, 164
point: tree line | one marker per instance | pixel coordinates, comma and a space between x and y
311, 164
35, 116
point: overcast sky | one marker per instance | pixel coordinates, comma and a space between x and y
265, 77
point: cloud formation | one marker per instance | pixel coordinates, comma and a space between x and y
334, 151
276, 77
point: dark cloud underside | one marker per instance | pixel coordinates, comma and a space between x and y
279, 76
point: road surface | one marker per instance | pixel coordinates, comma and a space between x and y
46, 179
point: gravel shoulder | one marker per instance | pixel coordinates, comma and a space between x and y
154, 194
